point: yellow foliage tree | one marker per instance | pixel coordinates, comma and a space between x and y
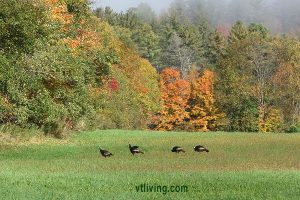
203, 113
272, 120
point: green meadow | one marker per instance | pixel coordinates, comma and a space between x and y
238, 166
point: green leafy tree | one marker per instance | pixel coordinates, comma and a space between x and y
245, 84
107, 14
22, 24
286, 81
238, 32
147, 43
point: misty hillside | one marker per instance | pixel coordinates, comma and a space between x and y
279, 16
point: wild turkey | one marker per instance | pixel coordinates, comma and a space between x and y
105, 153
177, 149
135, 149
200, 148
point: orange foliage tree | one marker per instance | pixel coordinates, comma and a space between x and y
174, 96
187, 104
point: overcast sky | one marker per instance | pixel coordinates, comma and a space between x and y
123, 5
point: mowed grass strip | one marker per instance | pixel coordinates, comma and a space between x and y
238, 166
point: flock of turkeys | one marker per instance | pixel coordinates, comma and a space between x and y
135, 150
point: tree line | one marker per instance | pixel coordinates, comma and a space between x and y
254, 81
66, 67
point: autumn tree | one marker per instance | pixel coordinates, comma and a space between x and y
174, 98
203, 114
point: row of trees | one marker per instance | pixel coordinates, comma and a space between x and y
61, 67
256, 74
256, 85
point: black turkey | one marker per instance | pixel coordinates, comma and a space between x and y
200, 148
105, 153
135, 149
177, 149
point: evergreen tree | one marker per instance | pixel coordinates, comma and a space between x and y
216, 47
238, 32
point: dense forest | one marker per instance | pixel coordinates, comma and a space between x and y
64, 66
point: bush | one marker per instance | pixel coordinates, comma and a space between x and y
272, 122
294, 128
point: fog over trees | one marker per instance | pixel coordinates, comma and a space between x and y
277, 15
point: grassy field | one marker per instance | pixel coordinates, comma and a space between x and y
238, 166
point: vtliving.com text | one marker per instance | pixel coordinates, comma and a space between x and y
161, 188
